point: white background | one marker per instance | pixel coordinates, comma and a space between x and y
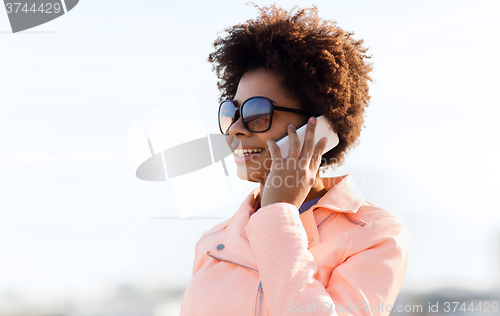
74, 219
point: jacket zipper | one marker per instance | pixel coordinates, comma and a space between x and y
260, 290
230, 261
347, 216
325, 220
352, 220
259, 304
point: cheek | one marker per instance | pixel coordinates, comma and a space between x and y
229, 140
265, 161
277, 131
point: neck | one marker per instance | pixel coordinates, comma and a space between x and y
317, 190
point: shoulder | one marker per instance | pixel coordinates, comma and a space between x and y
215, 229
380, 226
376, 217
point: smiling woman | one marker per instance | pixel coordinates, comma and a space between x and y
260, 83
298, 242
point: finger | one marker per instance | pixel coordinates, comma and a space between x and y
274, 149
317, 154
308, 146
294, 148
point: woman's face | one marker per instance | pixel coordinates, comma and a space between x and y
256, 166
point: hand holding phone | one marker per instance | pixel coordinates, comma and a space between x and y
322, 130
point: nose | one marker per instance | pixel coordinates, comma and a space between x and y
238, 129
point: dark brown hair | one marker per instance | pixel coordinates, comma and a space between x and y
319, 64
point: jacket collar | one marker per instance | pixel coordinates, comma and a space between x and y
342, 196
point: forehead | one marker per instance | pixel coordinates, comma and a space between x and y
263, 83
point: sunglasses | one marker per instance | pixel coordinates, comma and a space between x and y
256, 114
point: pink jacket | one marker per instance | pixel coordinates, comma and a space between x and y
343, 256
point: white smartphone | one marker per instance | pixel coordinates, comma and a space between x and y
322, 130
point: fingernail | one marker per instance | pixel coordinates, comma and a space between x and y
291, 125
325, 140
312, 120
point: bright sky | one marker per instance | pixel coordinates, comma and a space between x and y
75, 219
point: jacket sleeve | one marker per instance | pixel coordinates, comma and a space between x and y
364, 284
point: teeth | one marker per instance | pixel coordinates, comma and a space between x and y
241, 152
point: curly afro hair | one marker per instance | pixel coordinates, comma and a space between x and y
319, 64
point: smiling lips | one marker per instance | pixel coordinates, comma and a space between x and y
243, 155
241, 152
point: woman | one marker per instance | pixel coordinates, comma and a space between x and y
298, 243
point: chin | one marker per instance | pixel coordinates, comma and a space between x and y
243, 174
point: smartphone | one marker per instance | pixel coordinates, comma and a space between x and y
322, 130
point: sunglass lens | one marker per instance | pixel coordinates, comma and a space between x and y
226, 116
257, 114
